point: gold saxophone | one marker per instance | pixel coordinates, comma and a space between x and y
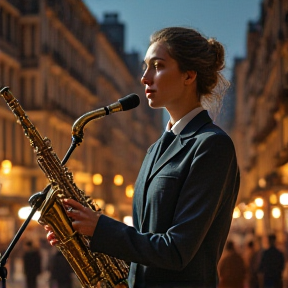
92, 269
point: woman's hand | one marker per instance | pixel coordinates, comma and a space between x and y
50, 236
84, 218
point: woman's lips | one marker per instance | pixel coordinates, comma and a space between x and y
149, 92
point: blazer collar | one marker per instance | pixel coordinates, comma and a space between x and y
180, 141
195, 124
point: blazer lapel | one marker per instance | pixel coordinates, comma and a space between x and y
150, 169
172, 150
180, 141
142, 180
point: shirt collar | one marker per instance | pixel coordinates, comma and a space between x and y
180, 124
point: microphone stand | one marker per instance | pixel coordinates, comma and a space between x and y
37, 199
35, 202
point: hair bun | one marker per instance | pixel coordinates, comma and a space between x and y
218, 49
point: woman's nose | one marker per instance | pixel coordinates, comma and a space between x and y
145, 80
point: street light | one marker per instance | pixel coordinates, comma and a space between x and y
276, 212
109, 209
5, 179
259, 202
118, 180
97, 179
6, 166
283, 199
273, 199
129, 191
236, 213
24, 212
259, 214
247, 214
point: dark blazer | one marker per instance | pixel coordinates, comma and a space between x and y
182, 211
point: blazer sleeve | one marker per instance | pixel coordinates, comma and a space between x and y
209, 186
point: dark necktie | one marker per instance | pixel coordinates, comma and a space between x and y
166, 139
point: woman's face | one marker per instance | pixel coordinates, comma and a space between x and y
164, 82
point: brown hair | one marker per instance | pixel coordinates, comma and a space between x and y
194, 52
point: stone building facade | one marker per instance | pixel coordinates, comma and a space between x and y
260, 127
60, 65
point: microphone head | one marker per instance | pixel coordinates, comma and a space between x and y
129, 102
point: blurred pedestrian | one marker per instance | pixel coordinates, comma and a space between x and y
61, 272
272, 265
31, 264
231, 268
252, 261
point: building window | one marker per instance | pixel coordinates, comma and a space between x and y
23, 37
1, 21
33, 94
6, 229
14, 143
33, 184
2, 74
11, 77
8, 23
33, 40
22, 90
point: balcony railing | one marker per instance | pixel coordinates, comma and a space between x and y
60, 61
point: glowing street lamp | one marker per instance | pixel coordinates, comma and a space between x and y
259, 202
276, 212
236, 213
283, 199
118, 180
248, 214
129, 191
6, 166
24, 212
259, 214
97, 179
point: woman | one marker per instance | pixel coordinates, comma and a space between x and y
184, 199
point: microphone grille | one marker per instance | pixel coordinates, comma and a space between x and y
129, 102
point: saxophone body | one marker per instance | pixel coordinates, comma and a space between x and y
92, 269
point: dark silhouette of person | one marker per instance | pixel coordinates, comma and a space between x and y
31, 264
272, 265
61, 272
231, 268
254, 262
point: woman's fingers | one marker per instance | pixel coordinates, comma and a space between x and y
84, 219
73, 204
51, 238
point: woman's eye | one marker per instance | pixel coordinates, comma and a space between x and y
144, 67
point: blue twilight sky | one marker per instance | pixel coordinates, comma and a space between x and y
225, 20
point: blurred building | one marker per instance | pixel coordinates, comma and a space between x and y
60, 64
260, 126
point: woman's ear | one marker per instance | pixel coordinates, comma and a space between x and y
190, 77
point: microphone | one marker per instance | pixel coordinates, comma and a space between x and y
128, 102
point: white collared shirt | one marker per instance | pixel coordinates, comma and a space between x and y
180, 124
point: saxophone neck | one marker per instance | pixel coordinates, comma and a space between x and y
126, 103
79, 124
